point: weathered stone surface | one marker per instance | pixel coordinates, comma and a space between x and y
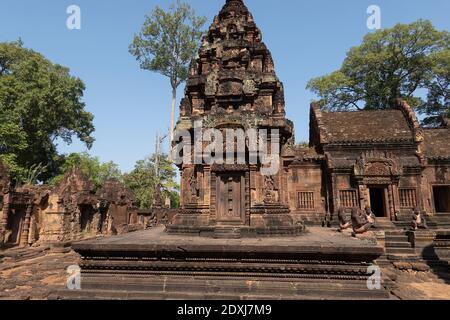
373, 162
383, 160
241, 91
33, 273
69, 211
320, 264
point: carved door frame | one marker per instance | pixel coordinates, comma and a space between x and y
230, 197
216, 172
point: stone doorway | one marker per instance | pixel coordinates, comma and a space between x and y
441, 199
15, 225
231, 199
378, 202
86, 217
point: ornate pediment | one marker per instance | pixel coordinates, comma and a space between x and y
377, 167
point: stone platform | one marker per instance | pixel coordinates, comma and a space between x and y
154, 265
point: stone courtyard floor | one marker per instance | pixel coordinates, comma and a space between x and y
412, 285
35, 273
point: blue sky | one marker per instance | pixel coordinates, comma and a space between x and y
307, 39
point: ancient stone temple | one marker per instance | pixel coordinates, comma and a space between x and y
116, 207
70, 211
383, 160
75, 210
233, 86
19, 221
240, 231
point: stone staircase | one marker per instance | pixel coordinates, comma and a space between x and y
398, 246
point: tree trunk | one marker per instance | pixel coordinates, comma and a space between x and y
172, 121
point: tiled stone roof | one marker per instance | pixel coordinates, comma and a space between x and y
366, 126
302, 153
437, 143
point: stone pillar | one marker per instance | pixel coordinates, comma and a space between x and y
182, 191
362, 196
391, 202
419, 194
202, 187
253, 185
207, 185
26, 226
247, 199
285, 187
5, 214
335, 195
213, 196
396, 200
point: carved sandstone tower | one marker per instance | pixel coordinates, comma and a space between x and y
233, 87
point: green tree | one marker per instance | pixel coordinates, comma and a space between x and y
438, 102
91, 167
144, 182
389, 64
167, 43
40, 103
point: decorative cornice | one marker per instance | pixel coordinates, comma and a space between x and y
412, 120
317, 122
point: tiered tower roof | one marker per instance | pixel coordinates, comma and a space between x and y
234, 72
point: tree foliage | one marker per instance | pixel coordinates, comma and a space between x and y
40, 102
167, 43
143, 181
389, 64
91, 167
438, 100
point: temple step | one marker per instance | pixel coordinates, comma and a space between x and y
396, 239
439, 221
390, 251
398, 246
384, 223
402, 224
401, 244
397, 257
227, 233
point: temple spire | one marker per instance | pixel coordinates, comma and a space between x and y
237, 6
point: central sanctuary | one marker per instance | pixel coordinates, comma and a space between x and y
244, 231
233, 87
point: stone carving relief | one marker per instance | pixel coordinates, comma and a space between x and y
193, 188
270, 194
377, 168
442, 174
